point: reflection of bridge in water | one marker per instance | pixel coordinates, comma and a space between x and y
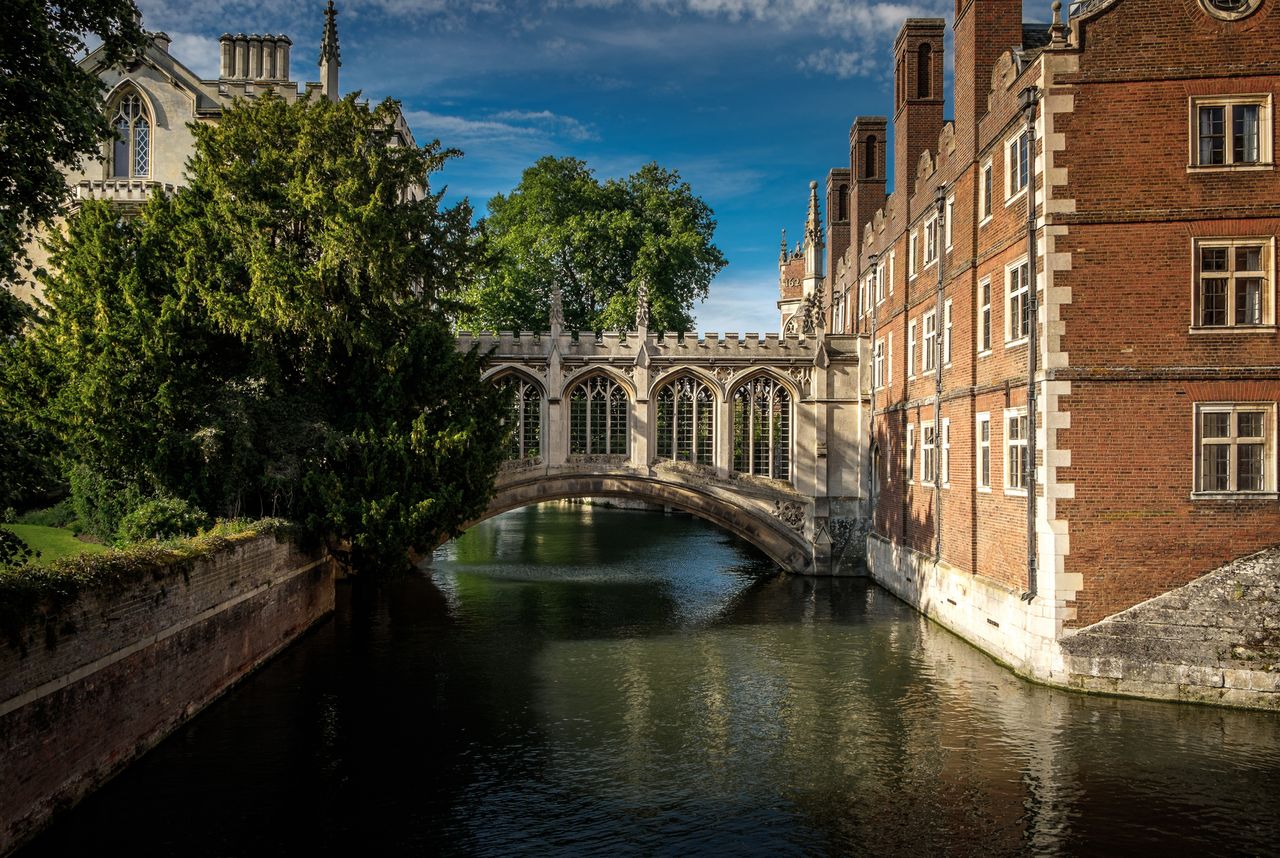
761, 436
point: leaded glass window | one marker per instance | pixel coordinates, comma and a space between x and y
762, 429
598, 409
525, 441
686, 414
131, 152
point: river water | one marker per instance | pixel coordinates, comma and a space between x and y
583, 681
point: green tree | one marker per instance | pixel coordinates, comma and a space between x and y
50, 108
271, 339
598, 243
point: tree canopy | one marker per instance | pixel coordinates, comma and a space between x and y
598, 242
50, 108
269, 341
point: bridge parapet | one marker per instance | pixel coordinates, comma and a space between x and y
800, 493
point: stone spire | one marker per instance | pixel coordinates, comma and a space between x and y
782, 255
330, 59
813, 245
813, 226
1057, 30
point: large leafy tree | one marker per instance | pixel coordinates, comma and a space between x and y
272, 339
598, 242
50, 108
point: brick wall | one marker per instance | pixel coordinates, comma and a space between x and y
119, 673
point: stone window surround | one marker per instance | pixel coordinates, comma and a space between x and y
1265, 131
1268, 410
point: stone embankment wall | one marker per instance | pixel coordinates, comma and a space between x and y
1215, 640
118, 673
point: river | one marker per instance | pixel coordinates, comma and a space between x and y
574, 680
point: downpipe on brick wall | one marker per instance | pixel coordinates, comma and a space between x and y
1030, 96
939, 327
874, 259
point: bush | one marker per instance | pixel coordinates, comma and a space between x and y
101, 502
59, 515
162, 518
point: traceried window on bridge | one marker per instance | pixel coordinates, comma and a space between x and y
131, 152
526, 418
598, 417
686, 412
762, 429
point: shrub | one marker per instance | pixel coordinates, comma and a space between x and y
61, 514
162, 518
101, 502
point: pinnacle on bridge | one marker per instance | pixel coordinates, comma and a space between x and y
642, 308
782, 254
557, 311
813, 227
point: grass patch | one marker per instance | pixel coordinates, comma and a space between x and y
53, 543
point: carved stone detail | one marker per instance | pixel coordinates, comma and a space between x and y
790, 513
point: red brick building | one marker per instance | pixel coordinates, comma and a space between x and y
1152, 314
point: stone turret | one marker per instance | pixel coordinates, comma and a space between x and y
330, 59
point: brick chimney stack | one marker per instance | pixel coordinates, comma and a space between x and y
867, 141
917, 118
984, 29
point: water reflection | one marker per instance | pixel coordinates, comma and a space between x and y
586, 681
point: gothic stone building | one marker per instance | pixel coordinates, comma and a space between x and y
153, 99
1146, 293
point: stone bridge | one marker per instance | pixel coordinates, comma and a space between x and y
759, 435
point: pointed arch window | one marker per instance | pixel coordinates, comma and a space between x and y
762, 429
598, 409
686, 415
131, 151
924, 68
525, 418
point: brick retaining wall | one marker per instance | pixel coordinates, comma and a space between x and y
120, 673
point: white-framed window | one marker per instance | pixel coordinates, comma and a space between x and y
878, 367
930, 349
911, 254
1234, 283
1015, 450
928, 454
1017, 303
1235, 448
880, 284
983, 465
946, 333
1231, 131
930, 241
131, 150
946, 452
910, 461
911, 349
866, 294
951, 213
1018, 157
984, 316
888, 360
985, 191
893, 256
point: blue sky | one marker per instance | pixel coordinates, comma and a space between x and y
748, 99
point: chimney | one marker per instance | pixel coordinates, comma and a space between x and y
984, 29
330, 59
269, 57
241, 70
867, 146
226, 70
838, 227
161, 40
255, 57
282, 57
917, 118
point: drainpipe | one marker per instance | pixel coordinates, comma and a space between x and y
940, 200
1030, 96
874, 259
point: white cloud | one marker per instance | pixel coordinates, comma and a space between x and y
841, 64
201, 54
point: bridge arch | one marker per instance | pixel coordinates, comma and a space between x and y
783, 545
